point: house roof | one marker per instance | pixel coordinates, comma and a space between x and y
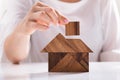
59, 44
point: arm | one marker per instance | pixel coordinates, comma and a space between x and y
38, 17
111, 27
17, 47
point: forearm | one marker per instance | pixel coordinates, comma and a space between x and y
16, 47
39, 17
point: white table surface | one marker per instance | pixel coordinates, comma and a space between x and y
39, 71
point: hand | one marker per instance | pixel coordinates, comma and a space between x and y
39, 17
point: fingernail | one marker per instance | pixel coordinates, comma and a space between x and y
66, 21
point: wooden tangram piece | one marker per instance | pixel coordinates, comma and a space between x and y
68, 55
68, 62
60, 44
72, 28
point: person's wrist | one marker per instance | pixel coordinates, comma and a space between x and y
20, 34
21, 29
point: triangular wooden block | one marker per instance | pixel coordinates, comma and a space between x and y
53, 59
60, 44
68, 64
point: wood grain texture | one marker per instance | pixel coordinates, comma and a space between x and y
68, 55
68, 62
54, 59
60, 44
72, 28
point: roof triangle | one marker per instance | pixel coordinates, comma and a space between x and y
60, 44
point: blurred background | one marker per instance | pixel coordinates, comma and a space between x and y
3, 6
118, 4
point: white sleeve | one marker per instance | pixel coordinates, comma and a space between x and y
16, 10
111, 32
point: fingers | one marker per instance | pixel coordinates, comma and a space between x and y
61, 19
45, 15
41, 18
38, 3
31, 27
53, 14
49, 11
38, 26
41, 27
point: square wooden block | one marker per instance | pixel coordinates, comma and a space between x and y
72, 28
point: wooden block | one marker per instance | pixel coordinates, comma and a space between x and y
72, 28
60, 44
53, 59
67, 62
78, 45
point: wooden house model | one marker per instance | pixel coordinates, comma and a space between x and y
68, 55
